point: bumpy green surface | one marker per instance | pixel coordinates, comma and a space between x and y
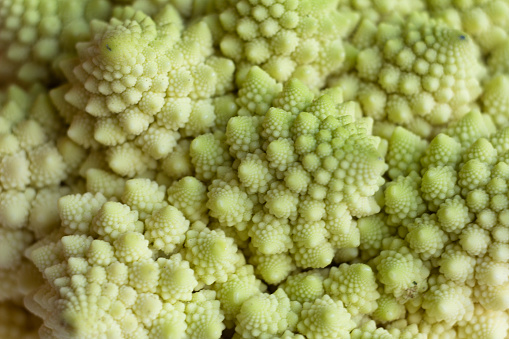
254, 169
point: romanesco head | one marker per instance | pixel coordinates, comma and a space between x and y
288, 39
419, 74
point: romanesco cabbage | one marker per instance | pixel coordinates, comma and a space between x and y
254, 169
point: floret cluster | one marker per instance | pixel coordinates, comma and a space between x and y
254, 169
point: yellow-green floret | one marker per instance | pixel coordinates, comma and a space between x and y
305, 168
415, 73
458, 237
288, 39
485, 21
140, 84
136, 278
